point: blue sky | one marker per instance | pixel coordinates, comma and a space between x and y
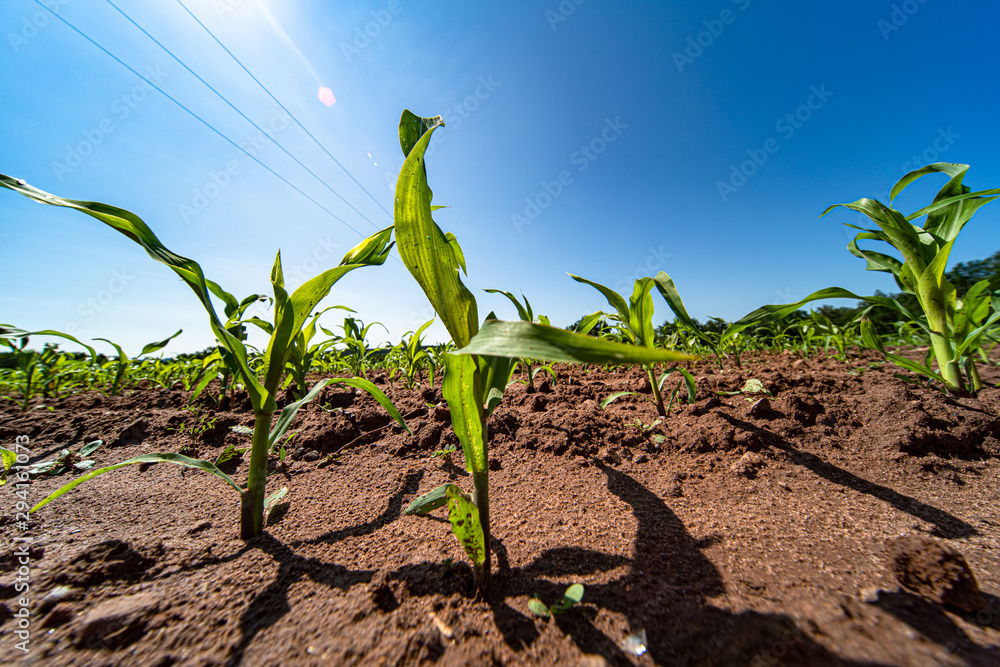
591, 137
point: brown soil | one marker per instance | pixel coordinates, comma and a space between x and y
735, 531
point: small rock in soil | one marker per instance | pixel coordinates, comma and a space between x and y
117, 622
640, 458
204, 525
311, 455
711, 404
61, 614
133, 434
761, 409
748, 464
645, 387
935, 571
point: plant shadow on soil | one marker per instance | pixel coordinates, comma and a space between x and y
945, 524
663, 593
271, 604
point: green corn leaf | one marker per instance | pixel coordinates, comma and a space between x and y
640, 312
13, 333
178, 459
953, 205
668, 290
589, 322
903, 236
692, 388
432, 258
871, 339
614, 299
291, 312
537, 341
189, 271
413, 127
464, 517
770, 313
498, 372
149, 348
463, 390
524, 314
433, 499
288, 413
615, 396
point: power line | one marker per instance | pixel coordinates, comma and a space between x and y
276, 101
245, 117
197, 117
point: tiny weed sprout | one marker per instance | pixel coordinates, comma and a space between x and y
571, 597
291, 314
8, 458
479, 369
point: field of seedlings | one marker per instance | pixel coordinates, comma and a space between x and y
796, 487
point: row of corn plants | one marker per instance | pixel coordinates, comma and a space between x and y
480, 360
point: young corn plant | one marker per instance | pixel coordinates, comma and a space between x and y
477, 371
304, 352
527, 315
634, 320
956, 327
123, 364
715, 341
291, 311
39, 373
413, 355
355, 340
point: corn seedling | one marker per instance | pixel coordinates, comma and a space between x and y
355, 353
477, 372
956, 327
527, 315
122, 364
290, 315
304, 352
634, 321
413, 355
40, 373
